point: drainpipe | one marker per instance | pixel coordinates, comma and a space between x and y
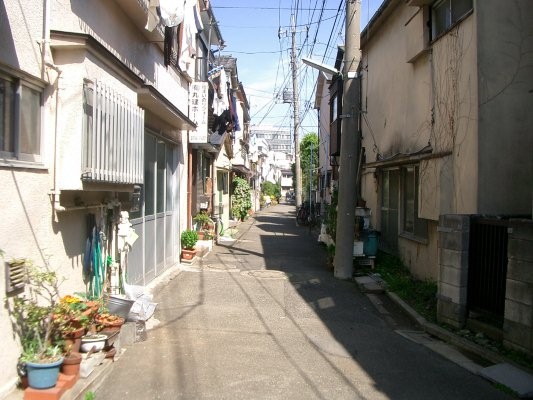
47, 62
189, 185
213, 194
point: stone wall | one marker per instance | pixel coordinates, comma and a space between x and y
518, 318
454, 231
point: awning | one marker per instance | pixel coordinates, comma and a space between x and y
241, 169
206, 147
150, 99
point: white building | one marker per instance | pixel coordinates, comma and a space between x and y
95, 112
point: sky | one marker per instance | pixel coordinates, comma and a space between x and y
258, 34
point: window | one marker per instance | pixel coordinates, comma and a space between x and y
206, 172
412, 225
20, 119
389, 209
157, 192
446, 13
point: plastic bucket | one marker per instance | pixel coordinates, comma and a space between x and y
120, 306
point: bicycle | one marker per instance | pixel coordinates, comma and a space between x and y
302, 215
308, 215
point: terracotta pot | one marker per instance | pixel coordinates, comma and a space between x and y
109, 325
71, 364
188, 254
73, 340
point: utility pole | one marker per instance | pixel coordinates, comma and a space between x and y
296, 108
350, 144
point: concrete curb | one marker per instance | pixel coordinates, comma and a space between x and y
450, 337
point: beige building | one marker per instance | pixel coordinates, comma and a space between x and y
446, 121
447, 153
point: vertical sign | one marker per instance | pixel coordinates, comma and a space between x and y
198, 112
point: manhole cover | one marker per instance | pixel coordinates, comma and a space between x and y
266, 274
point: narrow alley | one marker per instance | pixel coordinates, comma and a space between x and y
262, 317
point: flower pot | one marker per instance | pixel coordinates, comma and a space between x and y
187, 255
71, 364
73, 340
96, 342
43, 376
109, 322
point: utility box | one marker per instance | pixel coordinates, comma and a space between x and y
358, 248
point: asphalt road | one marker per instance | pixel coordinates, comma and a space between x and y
262, 317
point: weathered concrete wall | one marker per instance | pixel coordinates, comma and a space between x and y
518, 318
454, 231
504, 31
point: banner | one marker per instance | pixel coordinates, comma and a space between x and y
198, 112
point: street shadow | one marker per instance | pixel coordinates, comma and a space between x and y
365, 335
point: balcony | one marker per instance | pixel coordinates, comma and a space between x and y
137, 11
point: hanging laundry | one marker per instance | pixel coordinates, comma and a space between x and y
234, 115
169, 12
88, 267
220, 101
188, 37
198, 19
222, 123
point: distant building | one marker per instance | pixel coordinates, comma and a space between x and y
279, 138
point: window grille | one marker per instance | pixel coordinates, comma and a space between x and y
113, 143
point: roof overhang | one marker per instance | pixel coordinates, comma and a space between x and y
241, 169
208, 147
151, 100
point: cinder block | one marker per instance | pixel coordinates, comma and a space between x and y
457, 222
519, 270
456, 294
518, 336
453, 276
451, 313
517, 312
519, 292
520, 249
521, 229
453, 258
127, 334
456, 240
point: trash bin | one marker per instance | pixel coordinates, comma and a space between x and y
370, 243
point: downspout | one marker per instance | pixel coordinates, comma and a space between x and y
189, 185
213, 194
47, 62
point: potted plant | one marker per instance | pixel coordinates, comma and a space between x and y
32, 317
72, 316
189, 238
204, 224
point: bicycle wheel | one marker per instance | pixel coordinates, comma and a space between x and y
301, 216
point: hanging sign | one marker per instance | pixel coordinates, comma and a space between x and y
198, 112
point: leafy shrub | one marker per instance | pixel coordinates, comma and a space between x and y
189, 238
241, 200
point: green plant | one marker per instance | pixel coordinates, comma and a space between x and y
241, 200
202, 219
189, 238
72, 314
271, 189
89, 396
31, 313
331, 214
421, 295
